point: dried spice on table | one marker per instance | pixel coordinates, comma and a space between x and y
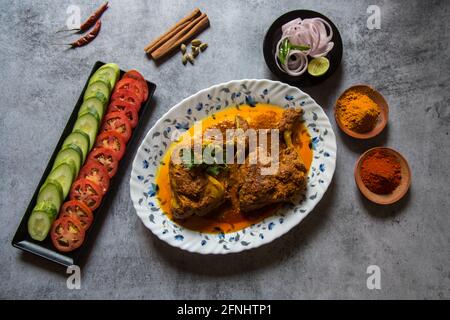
357, 111
182, 31
88, 38
91, 20
197, 46
381, 172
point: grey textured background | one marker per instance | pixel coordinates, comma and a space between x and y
326, 256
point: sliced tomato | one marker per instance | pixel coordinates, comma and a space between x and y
88, 192
145, 88
117, 121
96, 172
77, 210
67, 234
113, 141
136, 75
128, 96
133, 74
132, 85
127, 108
106, 158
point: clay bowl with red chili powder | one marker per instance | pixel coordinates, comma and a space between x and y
382, 120
382, 175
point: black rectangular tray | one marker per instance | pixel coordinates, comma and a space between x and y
45, 249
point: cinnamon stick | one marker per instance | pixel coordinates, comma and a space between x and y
152, 46
183, 31
192, 29
156, 44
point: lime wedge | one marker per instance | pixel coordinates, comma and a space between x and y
318, 66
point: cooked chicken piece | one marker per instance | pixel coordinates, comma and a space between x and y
289, 118
287, 123
238, 123
193, 191
229, 178
257, 190
265, 120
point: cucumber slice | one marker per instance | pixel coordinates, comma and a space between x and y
93, 104
41, 219
88, 124
64, 175
99, 90
51, 192
109, 71
72, 155
103, 77
93, 112
112, 66
80, 139
100, 96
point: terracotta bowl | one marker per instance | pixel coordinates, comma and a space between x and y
398, 193
382, 118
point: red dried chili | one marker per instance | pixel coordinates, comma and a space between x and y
84, 40
93, 18
89, 22
381, 172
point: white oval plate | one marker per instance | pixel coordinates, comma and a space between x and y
200, 105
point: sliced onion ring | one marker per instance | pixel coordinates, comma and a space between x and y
315, 33
302, 63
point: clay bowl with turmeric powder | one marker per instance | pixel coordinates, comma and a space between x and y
357, 124
395, 178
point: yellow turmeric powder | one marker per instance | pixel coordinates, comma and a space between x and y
357, 111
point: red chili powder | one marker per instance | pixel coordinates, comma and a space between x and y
381, 172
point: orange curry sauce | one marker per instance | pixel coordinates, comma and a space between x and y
225, 219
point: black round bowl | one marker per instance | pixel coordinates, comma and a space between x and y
273, 35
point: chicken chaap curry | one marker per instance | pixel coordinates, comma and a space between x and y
229, 195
